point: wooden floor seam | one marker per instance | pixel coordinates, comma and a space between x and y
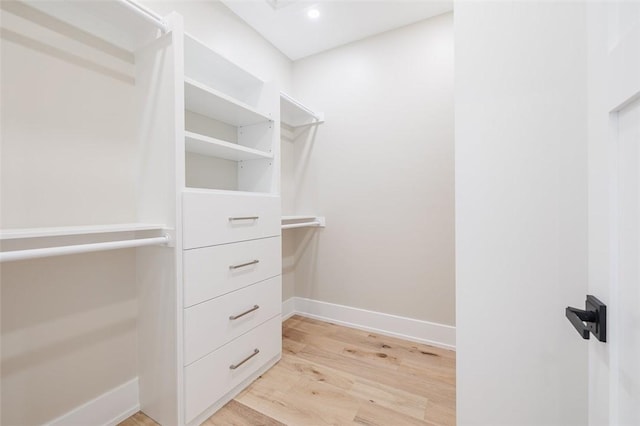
335, 375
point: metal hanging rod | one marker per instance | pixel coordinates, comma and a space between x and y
81, 248
146, 14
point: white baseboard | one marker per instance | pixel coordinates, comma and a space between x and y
108, 409
288, 308
429, 333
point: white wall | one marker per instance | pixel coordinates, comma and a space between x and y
521, 203
381, 170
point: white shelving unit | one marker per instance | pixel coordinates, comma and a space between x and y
231, 125
231, 231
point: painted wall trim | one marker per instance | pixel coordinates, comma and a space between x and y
429, 333
288, 308
108, 409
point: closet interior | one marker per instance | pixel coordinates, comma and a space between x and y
192, 142
145, 206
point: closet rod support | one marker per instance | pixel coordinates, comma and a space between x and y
82, 248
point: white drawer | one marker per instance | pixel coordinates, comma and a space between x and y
212, 271
209, 325
210, 219
210, 378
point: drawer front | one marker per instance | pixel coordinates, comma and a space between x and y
211, 219
211, 324
213, 271
210, 378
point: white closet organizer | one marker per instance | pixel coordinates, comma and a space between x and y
231, 231
295, 120
207, 161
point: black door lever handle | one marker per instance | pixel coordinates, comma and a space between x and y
592, 320
577, 316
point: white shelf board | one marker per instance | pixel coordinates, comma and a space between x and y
124, 24
23, 233
212, 103
295, 114
194, 190
295, 218
203, 64
212, 147
302, 221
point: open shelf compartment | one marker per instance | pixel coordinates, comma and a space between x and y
214, 70
212, 103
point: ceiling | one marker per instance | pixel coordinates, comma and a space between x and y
286, 24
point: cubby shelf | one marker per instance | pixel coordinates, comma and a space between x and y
205, 145
212, 103
214, 70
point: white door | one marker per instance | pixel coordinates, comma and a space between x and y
614, 209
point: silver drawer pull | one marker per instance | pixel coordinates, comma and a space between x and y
255, 352
231, 219
235, 317
242, 265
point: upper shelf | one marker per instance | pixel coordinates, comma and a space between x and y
212, 103
295, 114
64, 231
203, 64
122, 23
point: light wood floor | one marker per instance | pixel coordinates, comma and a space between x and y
333, 375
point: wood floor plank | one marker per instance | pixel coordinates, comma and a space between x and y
309, 402
334, 375
237, 414
401, 402
405, 381
138, 419
375, 415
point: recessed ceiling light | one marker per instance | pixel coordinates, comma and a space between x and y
313, 13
